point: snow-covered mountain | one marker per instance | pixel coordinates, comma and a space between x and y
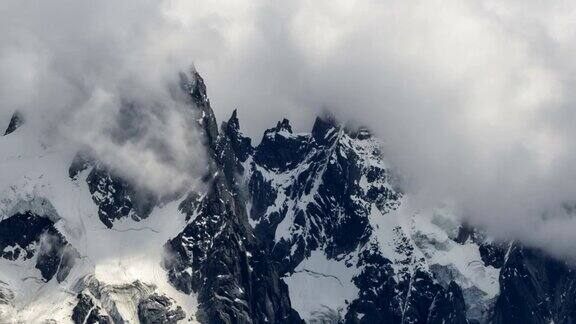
308, 227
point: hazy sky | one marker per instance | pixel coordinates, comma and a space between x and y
472, 99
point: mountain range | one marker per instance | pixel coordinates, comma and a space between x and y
301, 228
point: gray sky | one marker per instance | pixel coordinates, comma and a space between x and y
473, 99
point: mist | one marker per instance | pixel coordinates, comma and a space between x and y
472, 99
100, 77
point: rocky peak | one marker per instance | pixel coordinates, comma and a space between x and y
324, 129
280, 149
217, 256
233, 125
241, 145
304, 225
15, 122
284, 125
193, 86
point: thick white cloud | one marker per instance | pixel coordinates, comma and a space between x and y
71, 67
473, 99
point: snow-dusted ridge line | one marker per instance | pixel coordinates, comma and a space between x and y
400, 235
303, 226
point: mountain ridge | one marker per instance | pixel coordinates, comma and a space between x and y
307, 227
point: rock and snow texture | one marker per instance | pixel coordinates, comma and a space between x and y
307, 227
54, 235
327, 208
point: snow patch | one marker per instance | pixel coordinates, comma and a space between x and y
320, 285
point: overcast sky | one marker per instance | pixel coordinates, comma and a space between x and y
473, 99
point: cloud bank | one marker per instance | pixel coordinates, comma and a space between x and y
473, 99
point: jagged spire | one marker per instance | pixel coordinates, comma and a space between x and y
241, 145
284, 125
321, 128
233, 121
192, 85
231, 127
15, 122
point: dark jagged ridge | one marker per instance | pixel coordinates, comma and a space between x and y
217, 255
236, 270
212, 255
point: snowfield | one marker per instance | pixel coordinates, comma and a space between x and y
34, 176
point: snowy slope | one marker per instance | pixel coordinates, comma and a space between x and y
34, 176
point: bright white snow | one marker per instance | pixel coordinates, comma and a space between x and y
32, 171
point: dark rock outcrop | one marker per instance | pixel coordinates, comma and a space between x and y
448, 307
158, 309
25, 235
535, 288
15, 122
115, 197
86, 311
217, 255
97, 302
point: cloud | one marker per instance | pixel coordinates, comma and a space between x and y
74, 68
472, 99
